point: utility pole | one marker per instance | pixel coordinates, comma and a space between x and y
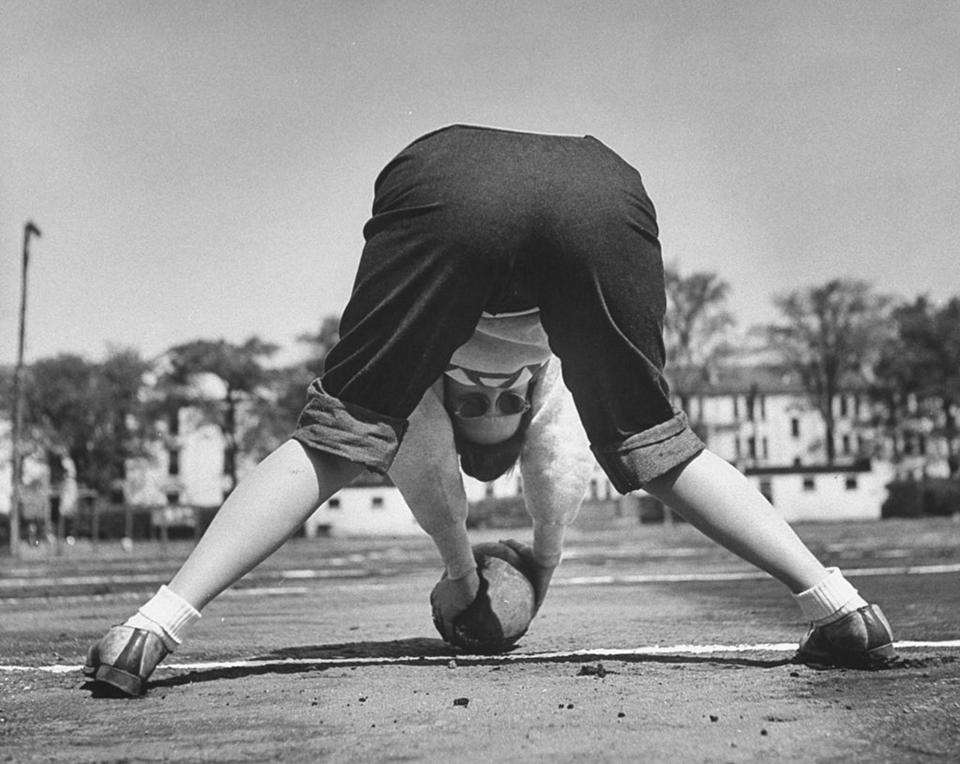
28, 230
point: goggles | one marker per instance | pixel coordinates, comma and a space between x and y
476, 405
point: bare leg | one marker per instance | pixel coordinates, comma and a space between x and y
264, 510
718, 500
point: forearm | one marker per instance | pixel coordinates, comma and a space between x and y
428, 476
438, 503
453, 544
556, 465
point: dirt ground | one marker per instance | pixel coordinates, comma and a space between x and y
342, 664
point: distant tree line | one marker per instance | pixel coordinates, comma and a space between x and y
835, 336
101, 414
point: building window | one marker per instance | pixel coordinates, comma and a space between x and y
752, 447
173, 498
173, 423
334, 503
850, 483
376, 502
845, 443
809, 484
736, 407
795, 427
843, 405
763, 408
766, 447
594, 492
173, 465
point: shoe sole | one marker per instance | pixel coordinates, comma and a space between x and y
124, 681
876, 658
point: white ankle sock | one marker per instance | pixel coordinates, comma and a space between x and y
830, 600
167, 615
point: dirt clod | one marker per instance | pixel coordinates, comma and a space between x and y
596, 670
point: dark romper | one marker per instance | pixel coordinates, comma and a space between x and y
469, 220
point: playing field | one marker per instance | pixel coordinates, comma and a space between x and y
653, 645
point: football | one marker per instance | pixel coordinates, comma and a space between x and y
504, 607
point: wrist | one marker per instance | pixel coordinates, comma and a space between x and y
463, 577
453, 543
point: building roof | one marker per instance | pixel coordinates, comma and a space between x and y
860, 465
744, 380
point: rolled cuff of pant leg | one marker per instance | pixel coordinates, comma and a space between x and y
347, 430
649, 454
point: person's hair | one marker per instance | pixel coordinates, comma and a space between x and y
487, 462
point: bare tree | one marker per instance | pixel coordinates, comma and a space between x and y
696, 332
87, 411
321, 343
831, 335
276, 414
922, 360
241, 369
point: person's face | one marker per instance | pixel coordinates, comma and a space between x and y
485, 415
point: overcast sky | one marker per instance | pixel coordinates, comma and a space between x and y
203, 169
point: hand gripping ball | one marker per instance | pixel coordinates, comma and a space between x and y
504, 606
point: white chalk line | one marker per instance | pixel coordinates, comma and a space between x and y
560, 655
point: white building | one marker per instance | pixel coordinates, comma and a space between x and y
182, 468
372, 504
36, 490
855, 492
758, 418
